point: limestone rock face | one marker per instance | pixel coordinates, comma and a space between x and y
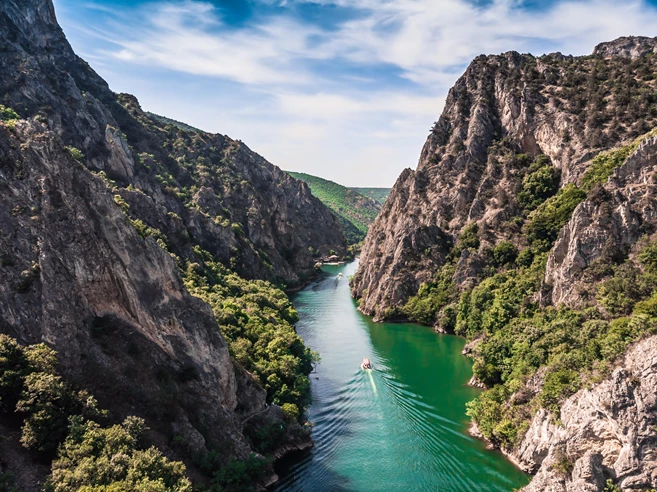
79, 168
607, 432
604, 226
76, 275
560, 106
226, 195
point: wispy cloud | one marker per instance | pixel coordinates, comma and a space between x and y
374, 78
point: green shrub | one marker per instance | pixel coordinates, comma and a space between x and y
7, 114
648, 258
546, 221
504, 253
75, 153
431, 297
48, 403
559, 384
469, 239
619, 293
239, 475
291, 411
539, 185
110, 460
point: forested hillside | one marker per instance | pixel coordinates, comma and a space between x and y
354, 210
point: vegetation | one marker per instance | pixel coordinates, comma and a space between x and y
563, 349
76, 154
354, 211
604, 163
63, 423
544, 223
257, 320
539, 184
110, 459
377, 194
178, 124
8, 114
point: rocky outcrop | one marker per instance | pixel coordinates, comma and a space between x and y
632, 47
227, 197
76, 275
101, 205
606, 432
605, 226
569, 108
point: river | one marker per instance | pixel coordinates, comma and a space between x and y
402, 426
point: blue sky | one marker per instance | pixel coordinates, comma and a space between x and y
343, 89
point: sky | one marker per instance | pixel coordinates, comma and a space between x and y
343, 89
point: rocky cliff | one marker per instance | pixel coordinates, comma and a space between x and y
108, 216
606, 433
529, 228
567, 108
230, 200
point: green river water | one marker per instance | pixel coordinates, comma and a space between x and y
402, 426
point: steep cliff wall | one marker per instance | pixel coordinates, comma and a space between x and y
230, 200
606, 432
568, 108
109, 217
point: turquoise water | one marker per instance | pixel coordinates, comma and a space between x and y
400, 427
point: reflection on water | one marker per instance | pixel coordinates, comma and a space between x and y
401, 426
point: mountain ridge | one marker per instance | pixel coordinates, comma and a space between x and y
147, 256
528, 227
355, 211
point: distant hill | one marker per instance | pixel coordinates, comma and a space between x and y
354, 210
377, 194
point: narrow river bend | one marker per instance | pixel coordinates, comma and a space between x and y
402, 426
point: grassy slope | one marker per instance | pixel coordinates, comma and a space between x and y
376, 194
355, 211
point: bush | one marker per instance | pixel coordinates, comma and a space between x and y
469, 239
291, 411
558, 385
546, 221
431, 297
75, 154
504, 253
49, 402
7, 114
648, 258
239, 475
97, 459
539, 185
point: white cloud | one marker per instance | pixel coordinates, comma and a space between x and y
293, 103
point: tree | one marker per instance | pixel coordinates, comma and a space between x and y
109, 460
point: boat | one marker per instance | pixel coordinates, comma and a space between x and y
366, 364
339, 275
